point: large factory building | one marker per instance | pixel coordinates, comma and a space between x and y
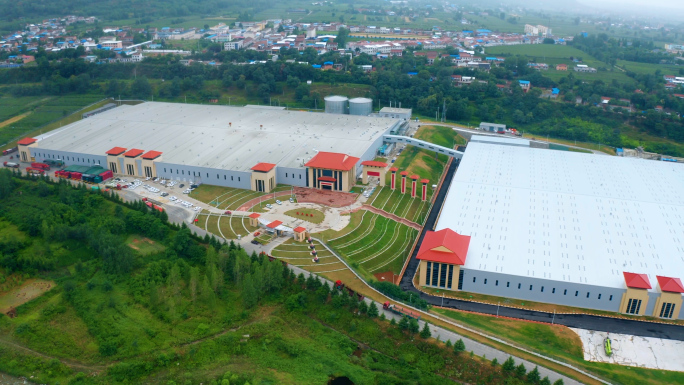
561, 227
243, 147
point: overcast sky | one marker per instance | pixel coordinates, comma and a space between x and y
646, 5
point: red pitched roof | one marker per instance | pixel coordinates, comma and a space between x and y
27, 141
394, 169
636, 281
404, 173
116, 151
254, 215
299, 229
457, 245
414, 176
327, 179
374, 163
332, 161
263, 167
274, 224
425, 181
134, 152
673, 285
152, 155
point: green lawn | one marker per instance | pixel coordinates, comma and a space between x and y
309, 215
144, 246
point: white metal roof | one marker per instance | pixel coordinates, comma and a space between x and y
567, 216
499, 139
231, 138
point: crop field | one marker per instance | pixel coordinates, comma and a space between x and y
649, 68
39, 111
402, 205
375, 245
225, 226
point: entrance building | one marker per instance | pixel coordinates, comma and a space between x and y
331, 171
441, 256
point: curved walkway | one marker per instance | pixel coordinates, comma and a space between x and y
391, 216
253, 202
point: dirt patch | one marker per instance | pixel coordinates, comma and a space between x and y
324, 197
14, 119
387, 276
33, 288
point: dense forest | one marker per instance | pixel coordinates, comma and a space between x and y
191, 310
427, 92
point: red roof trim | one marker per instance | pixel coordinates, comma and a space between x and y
327, 179
116, 151
133, 153
403, 173
414, 177
457, 244
263, 167
394, 169
152, 155
374, 163
27, 141
274, 224
254, 215
332, 161
636, 281
425, 181
299, 229
673, 285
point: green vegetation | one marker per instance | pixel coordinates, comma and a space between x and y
376, 245
309, 215
144, 246
402, 205
561, 343
225, 226
197, 311
229, 198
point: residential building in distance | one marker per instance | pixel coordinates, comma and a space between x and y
537, 30
584, 68
232, 45
561, 67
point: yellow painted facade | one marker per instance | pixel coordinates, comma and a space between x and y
423, 278
661, 306
25, 153
263, 181
346, 178
379, 170
634, 301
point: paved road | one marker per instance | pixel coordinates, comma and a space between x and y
581, 321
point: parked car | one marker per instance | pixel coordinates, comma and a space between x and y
193, 185
255, 242
268, 206
291, 200
181, 185
164, 194
228, 212
279, 202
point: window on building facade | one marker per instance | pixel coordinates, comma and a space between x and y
435, 274
519, 285
474, 279
443, 275
565, 292
576, 293
633, 306
542, 289
485, 281
508, 284
553, 291
428, 273
667, 310
610, 298
450, 276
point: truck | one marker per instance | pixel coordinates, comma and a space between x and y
42, 166
54, 162
607, 346
151, 201
339, 285
34, 171
10, 164
10, 151
400, 310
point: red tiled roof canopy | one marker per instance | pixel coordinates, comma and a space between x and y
332, 161
673, 285
152, 155
456, 244
134, 152
116, 151
254, 215
394, 169
404, 173
299, 229
374, 163
327, 179
414, 177
274, 224
425, 181
263, 167
636, 281
27, 141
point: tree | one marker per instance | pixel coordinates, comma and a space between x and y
249, 294
448, 344
372, 310
403, 323
459, 346
413, 326
509, 365
533, 376
545, 381
425, 333
495, 362
194, 279
559, 382
549, 40
520, 371
363, 307
141, 88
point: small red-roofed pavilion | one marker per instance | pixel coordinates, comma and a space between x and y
374, 168
635, 299
669, 304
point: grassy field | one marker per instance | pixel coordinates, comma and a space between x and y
649, 68
228, 198
402, 205
375, 245
43, 114
144, 246
225, 226
309, 215
561, 343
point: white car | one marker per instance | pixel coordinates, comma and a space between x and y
279, 202
291, 200
196, 208
268, 206
173, 198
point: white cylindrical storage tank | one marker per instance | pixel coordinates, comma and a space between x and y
360, 106
336, 104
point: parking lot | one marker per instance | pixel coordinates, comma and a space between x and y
156, 187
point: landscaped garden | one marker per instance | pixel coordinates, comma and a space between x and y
309, 215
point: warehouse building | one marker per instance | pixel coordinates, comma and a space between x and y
242, 147
561, 227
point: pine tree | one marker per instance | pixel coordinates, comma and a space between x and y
383, 318
363, 307
459, 346
545, 381
413, 326
249, 294
559, 382
425, 333
404, 323
372, 310
533, 376
300, 279
520, 371
495, 362
448, 344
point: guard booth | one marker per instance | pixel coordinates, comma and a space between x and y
372, 168
299, 234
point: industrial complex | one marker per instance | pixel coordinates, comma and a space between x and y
243, 147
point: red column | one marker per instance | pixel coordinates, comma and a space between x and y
403, 181
414, 189
425, 183
393, 177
